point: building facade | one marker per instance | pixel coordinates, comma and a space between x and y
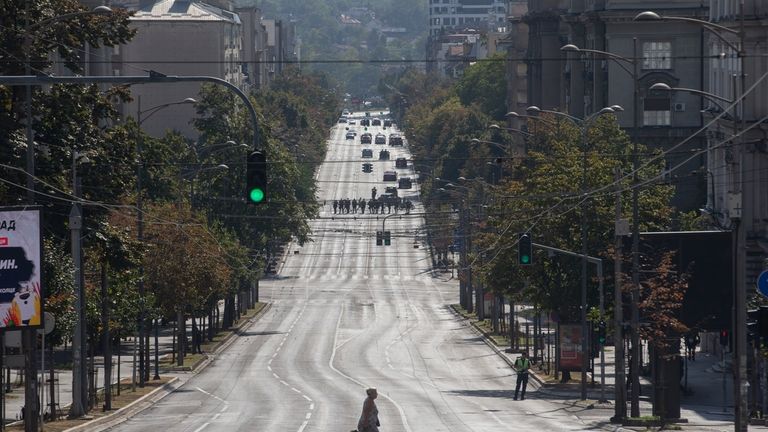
645, 53
738, 161
458, 14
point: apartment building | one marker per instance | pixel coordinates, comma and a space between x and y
737, 171
447, 15
646, 53
462, 31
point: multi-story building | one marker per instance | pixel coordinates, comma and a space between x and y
516, 45
737, 171
479, 24
651, 52
457, 14
186, 38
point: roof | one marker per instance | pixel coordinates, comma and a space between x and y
183, 10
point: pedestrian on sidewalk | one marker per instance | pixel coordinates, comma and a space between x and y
522, 365
369, 419
692, 340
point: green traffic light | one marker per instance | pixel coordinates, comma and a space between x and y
525, 259
257, 195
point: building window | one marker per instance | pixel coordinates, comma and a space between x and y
657, 55
656, 112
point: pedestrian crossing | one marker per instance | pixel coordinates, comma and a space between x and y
359, 277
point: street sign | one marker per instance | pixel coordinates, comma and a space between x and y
762, 283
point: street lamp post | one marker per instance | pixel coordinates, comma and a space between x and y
584, 125
620, 412
740, 215
140, 119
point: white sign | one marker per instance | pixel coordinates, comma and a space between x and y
21, 298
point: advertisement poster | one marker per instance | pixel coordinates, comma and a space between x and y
570, 347
21, 302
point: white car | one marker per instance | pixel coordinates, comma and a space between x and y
352, 122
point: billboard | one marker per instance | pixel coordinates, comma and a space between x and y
21, 300
570, 347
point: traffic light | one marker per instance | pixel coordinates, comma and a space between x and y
724, 337
524, 249
256, 177
379, 237
387, 238
602, 332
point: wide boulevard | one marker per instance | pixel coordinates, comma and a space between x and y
347, 314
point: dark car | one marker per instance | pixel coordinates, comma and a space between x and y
390, 176
343, 120
365, 122
381, 139
395, 140
367, 153
404, 183
366, 138
384, 155
351, 135
387, 123
391, 190
401, 162
376, 122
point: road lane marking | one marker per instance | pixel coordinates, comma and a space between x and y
202, 427
308, 399
211, 395
308, 416
275, 375
333, 368
283, 382
301, 429
312, 406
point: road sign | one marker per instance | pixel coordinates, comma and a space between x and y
762, 283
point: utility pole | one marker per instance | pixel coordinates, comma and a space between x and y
620, 395
106, 339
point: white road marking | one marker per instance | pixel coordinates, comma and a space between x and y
311, 406
275, 375
308, 416
308, 399
284, 383
202, 427
303, 425
333, 368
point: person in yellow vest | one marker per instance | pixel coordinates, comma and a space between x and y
522, 364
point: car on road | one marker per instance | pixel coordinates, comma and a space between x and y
401, 162
376, 122
351, 121
345, 113
366, 138
367, 153
395, 140
387, 123
343, 120
390, 190
384, 155
351, 135
390, 176
381, 139
365, 122
404, 183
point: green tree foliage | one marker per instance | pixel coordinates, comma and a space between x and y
485, 84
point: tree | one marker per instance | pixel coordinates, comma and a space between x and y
485, 84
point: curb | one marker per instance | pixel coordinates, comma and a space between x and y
129, 410
540, 385
148, 400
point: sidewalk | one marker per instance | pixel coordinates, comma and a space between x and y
702, 395
14, 401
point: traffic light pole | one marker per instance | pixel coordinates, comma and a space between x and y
598, 262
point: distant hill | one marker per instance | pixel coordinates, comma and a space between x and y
354, 32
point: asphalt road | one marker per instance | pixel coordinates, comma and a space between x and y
347, 314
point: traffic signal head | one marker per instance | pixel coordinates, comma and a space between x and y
387, 238
602, 332
379, 238
524, 249
256, 177
723, 337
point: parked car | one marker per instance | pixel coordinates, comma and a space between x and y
390, 176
